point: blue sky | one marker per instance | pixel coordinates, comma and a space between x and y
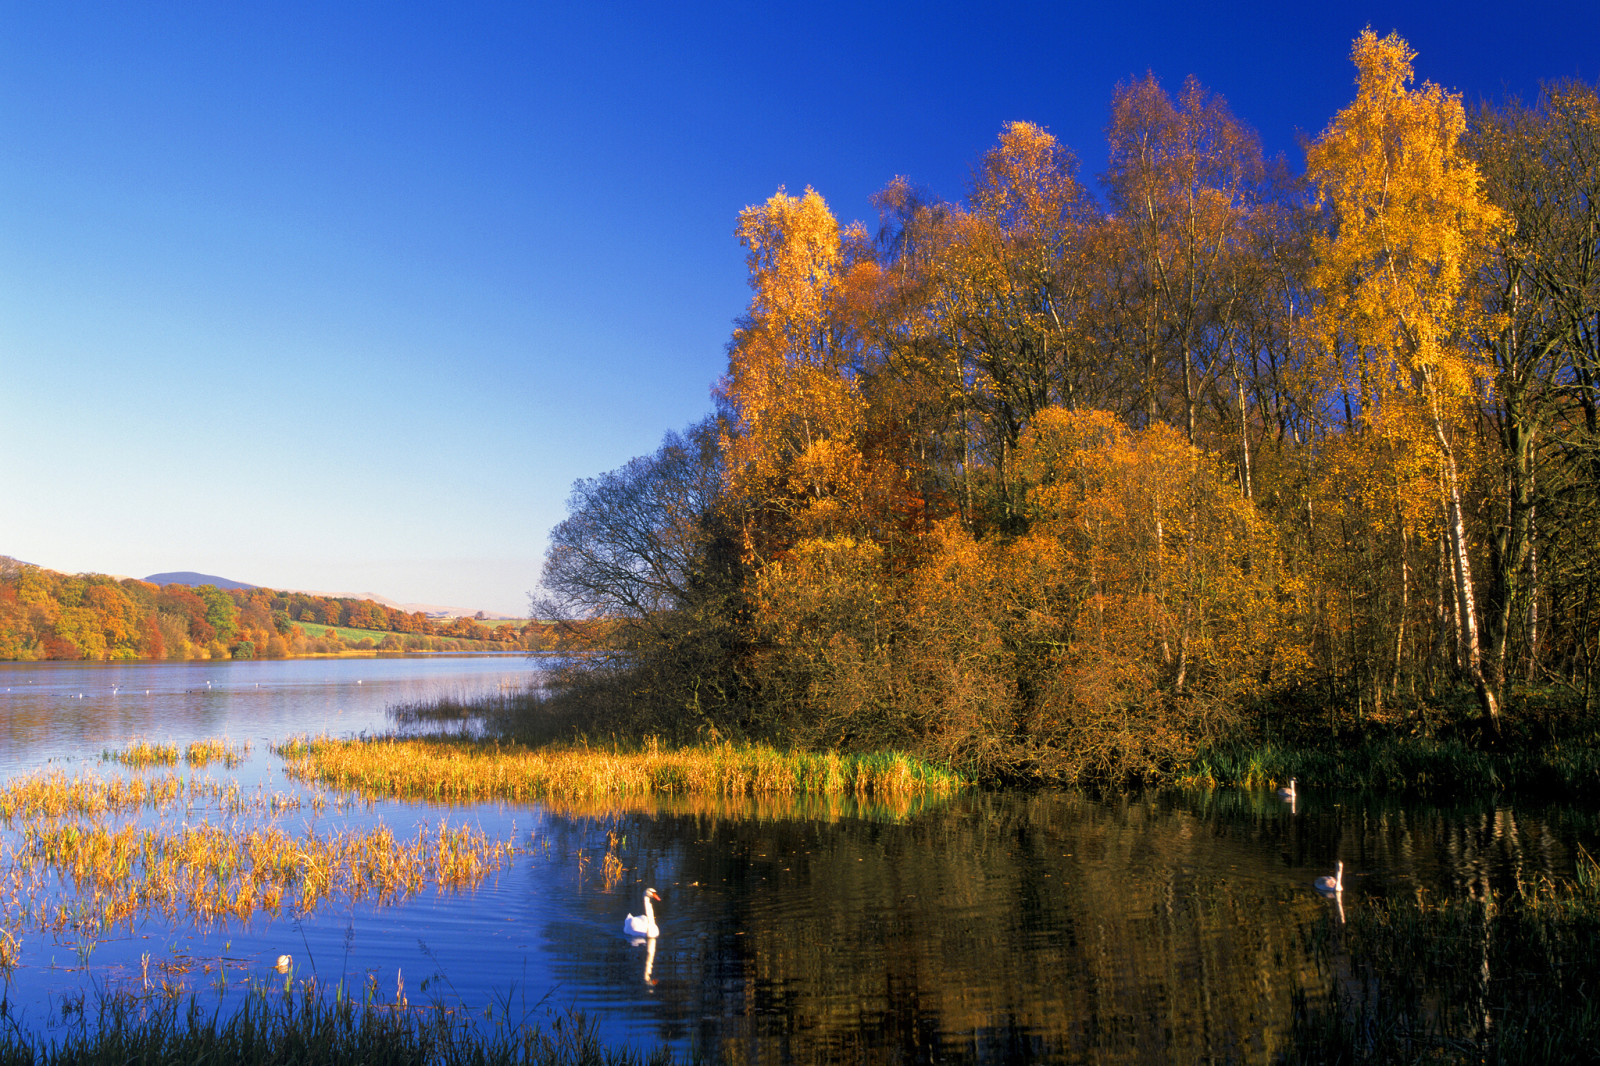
345, 296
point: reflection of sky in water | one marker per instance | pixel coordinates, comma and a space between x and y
63, 711
998, 927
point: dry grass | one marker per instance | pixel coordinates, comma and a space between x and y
110, 876
55, 795
215, 749
72, 866
458, 770
141, 753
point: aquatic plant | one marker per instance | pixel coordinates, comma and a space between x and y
71, 867
611, 867
53, 794
303, 1026
1416, 766
457, 769
109, 876
10, 950
142, 753
215, 749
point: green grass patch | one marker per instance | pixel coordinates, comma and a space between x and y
349, 635
1423, 767
1547, 747
316, 630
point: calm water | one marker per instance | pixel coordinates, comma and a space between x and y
998, 927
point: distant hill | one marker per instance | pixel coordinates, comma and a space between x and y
432, 610
189, 577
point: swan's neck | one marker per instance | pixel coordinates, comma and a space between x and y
1338, 878
649, 912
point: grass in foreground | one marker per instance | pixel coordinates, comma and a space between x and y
458, 769
268, 1031
53, 794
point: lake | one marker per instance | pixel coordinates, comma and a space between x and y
993, 927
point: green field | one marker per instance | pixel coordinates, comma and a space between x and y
315, 630
344, 633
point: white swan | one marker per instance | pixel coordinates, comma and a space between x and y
643, 924
1331, 886
1287, 793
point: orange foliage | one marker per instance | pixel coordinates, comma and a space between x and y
47, 615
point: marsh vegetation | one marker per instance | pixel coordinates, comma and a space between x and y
463, 769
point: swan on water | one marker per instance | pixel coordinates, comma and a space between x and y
1331, 886
1287, 793
643, 924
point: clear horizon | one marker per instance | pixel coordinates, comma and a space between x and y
346, 299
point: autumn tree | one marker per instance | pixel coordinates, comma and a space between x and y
1410, 225
1182, 179
1006, 295
795, 410
1541, 283
1052, 487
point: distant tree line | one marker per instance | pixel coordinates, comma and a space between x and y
1063, 484
49, 615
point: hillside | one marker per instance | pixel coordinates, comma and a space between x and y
49, 615
194, 580
432, 610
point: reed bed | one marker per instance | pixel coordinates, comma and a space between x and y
141, 753
54, 795
304, 1027
10, 950
765, 807
459, 770
109, 876
215, 749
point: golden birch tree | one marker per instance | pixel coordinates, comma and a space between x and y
792, 452
1410, 224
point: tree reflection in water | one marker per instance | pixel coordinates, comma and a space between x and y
1011, 927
